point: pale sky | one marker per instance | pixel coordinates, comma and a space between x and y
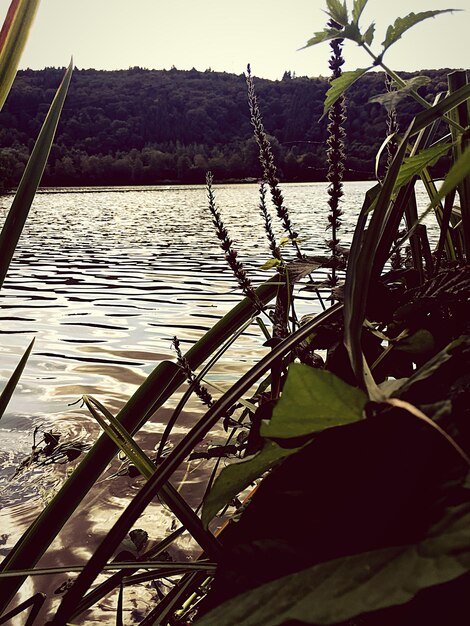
225, 35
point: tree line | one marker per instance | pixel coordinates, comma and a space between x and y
144, 127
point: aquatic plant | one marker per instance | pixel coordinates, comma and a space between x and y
336, 155
375, 434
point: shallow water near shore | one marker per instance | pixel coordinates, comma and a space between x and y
103, 279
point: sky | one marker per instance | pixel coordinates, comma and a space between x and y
225, 35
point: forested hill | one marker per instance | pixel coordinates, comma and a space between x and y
141, 126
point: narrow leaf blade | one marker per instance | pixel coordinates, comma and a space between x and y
7, 392
457, 173
13, 38
413, 166
31, 178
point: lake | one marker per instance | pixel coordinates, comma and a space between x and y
104, 279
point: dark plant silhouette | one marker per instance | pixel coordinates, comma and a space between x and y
267, 163
336, 156
227, 246
200, 390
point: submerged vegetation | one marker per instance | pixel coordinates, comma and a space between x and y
356, 419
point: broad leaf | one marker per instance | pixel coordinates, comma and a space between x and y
340, 85
312, 400
402, 24
338, 11
238, 476
413, 166
342, 589
13, 38
358, 7
390, 99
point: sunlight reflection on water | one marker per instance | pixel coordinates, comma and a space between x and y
103, 279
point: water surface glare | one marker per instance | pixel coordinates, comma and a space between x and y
103, 279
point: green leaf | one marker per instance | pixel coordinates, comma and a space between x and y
339, 590
402, 24
340, 85
352, 32
368, 37
119, 435
323, 35
270, 263
413, 166
31, 178
366, 260
238, 476
358, 7
13, 38
421, 342
390, 99
7, 392
337, 11
312, 400
457, 173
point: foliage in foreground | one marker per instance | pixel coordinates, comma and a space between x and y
360, 412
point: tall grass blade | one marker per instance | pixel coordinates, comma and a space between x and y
459, 171
119, 435
35, 602
13, 38
365, 248
31, 178
119, 608
7, 392
460, 114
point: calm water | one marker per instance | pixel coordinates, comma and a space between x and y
103, 280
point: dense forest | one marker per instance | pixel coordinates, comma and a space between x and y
141, 126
